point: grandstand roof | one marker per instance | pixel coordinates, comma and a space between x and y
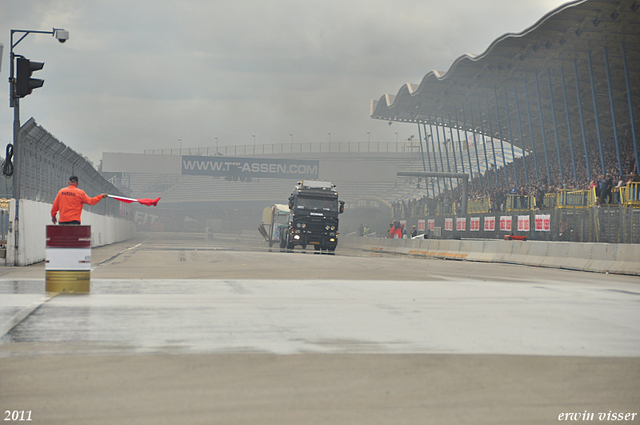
537, 65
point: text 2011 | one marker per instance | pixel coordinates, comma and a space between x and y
17, 415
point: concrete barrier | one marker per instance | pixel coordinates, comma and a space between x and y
594, 257
537, 253
519, 252
602, 257
627, 260
35, 216
477, 252
578, 256
557, 254
503, 251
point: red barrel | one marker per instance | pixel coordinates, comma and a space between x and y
68, 259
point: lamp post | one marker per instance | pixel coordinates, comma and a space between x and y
14, 102
254, 143
291, 134
217, 153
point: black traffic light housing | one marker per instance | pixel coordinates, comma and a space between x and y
24, 83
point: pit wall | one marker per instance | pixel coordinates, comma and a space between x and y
592, 257
35, 216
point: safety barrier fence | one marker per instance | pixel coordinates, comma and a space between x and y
45, 167
593, 257
41, 167
613, 225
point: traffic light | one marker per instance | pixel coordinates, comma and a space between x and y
24, 83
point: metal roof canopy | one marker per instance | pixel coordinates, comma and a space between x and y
582, 48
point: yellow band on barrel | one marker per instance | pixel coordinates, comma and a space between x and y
73, 282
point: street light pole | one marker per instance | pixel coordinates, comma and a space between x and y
14, 102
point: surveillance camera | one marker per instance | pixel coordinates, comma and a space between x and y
62, 35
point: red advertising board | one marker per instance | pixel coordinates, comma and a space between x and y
523, 223
543, 223
505, 223
489, 224
448, 224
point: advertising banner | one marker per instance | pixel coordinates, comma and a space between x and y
448, 224
250, 167
523, 223
461, 224
505, 223
432, 224
489, 224
421, 227
474, 225
543, 223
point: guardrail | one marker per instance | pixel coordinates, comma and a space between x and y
479, 205
630, 195
520, 203
575, 198
549, 202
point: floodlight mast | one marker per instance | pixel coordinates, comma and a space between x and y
14, 102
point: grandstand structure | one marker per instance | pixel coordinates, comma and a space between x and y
566, 91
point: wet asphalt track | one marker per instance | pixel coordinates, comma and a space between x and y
185, 297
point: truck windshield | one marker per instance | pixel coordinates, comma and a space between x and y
316, 204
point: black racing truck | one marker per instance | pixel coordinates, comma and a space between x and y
313, 216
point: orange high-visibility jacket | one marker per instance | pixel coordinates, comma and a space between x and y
69, 202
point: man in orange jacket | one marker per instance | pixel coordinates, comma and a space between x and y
69, 203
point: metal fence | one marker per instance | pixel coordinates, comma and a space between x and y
45, 165
570, 215
611, 225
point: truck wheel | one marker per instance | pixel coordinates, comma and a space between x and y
283, 241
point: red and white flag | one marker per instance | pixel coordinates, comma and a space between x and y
144, 201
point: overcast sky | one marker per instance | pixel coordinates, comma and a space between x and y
142, 74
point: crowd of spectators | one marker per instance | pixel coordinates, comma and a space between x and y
494, 188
